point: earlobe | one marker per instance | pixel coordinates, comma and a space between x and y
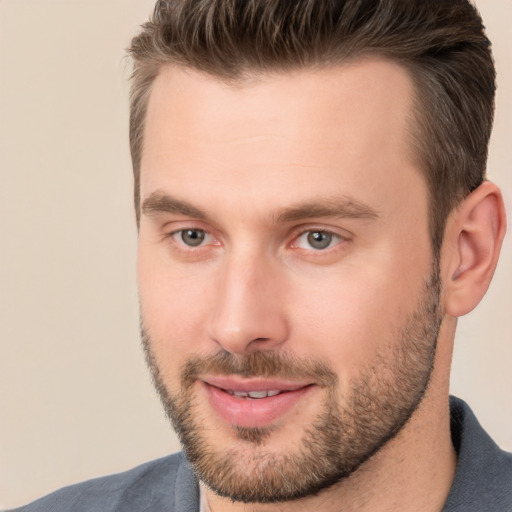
474, 236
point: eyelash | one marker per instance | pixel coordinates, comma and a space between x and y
335, 239
180, 232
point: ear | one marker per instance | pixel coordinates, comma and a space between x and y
471, 248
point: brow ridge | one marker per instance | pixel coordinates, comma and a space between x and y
158, 202
345, 207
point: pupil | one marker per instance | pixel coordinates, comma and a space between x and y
319, 240
193, 237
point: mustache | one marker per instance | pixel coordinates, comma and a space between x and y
260, 364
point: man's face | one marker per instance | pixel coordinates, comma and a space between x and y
288, 292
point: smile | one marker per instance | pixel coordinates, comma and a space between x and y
253, 403
253, 394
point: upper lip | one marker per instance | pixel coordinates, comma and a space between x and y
232, 383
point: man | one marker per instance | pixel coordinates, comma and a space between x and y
313, 218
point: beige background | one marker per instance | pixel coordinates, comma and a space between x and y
75, 400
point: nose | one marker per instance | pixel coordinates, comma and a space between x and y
250, 309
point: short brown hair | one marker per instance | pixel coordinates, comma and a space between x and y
440, 42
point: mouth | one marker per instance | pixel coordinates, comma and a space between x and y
254, 395
253, 403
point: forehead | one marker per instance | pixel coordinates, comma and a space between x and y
344, 125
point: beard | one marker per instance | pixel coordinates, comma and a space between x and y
345, 433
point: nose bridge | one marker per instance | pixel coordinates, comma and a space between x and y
248, 313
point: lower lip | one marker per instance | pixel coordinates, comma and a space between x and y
256, 412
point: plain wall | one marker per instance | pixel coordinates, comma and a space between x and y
75, 398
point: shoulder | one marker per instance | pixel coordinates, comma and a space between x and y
152, 487
483, 479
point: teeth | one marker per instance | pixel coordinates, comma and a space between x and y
257, 394
254, 394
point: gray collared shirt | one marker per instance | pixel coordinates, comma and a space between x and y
483, 480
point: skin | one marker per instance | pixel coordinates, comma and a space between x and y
244, 158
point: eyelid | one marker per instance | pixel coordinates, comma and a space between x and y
339, 232
178, 237
303, 230
207, 239
172, 230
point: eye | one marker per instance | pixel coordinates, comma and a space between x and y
191, 237
317, 240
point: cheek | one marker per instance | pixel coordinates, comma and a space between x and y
173, 309
349, 319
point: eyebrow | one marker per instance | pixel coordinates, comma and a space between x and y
332, 207
157, 202
344, 207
